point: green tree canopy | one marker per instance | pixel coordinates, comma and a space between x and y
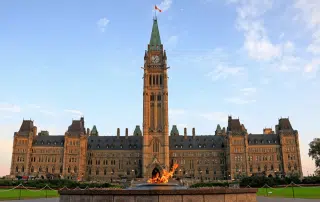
314, 151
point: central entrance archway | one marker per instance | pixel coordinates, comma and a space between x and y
156, 172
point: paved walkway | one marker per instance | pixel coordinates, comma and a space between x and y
259, 199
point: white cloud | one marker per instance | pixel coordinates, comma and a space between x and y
257, 43
102, 24
74, 112
165, 5
240, 101
215, 116
248, 91
6, 107
223, 72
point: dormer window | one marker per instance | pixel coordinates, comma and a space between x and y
269, 141
190, 146
121, 146
275, 141
42, 142
213, 146
135, 146
204, 146
107, 146
98, 146
199, 146
176, 146
181, 146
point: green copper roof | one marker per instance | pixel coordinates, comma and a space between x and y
94, 131
174, 131
218, 128
155, 34
137, 131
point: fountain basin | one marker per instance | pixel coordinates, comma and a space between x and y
151, 186
160, 195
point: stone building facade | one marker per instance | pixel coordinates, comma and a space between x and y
229, 153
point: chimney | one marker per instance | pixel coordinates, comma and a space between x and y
193, 132
126, 132
118, 132
185, 133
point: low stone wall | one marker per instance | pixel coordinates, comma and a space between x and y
187, 195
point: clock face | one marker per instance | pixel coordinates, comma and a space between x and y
155, 59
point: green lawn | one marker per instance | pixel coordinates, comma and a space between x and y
299, 192
6, 194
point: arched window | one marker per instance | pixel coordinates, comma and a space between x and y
97, 171
53, 169
105, 171
89, 171
150, 78
61, 169
75, 169
32, 169
161, 80
69, 169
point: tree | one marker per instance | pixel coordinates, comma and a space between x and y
314, 151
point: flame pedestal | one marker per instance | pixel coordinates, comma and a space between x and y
160, 193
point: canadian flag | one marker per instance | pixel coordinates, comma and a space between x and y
156, 8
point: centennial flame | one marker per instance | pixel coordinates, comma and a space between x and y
164, 178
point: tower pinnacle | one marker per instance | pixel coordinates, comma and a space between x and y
155, 34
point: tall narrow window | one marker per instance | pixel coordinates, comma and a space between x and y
157, 80
160, 80
155, 146
154, 80
150, 78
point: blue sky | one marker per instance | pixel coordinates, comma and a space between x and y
253, 59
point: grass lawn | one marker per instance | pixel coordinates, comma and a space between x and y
299, 192
26, 194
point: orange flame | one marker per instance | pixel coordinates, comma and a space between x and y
164, 178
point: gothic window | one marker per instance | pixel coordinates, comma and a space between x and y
17, 169
150, 80
53, 169
47, 169
97, 171
161, 80
156, 146
105, 171
152, 97
69, 169
271, 167
154, 80
157, 79
22, 169
289, 166
207, 171
159, 97
265, 168
251, 168
61, 169
89, 171
259, 169
75, 169
32, 169
295, 167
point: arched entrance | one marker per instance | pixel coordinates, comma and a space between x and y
156, 172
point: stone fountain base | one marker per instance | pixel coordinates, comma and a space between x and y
162, 193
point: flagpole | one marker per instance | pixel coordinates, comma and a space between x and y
155, 12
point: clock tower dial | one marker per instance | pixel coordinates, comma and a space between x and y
155, 59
